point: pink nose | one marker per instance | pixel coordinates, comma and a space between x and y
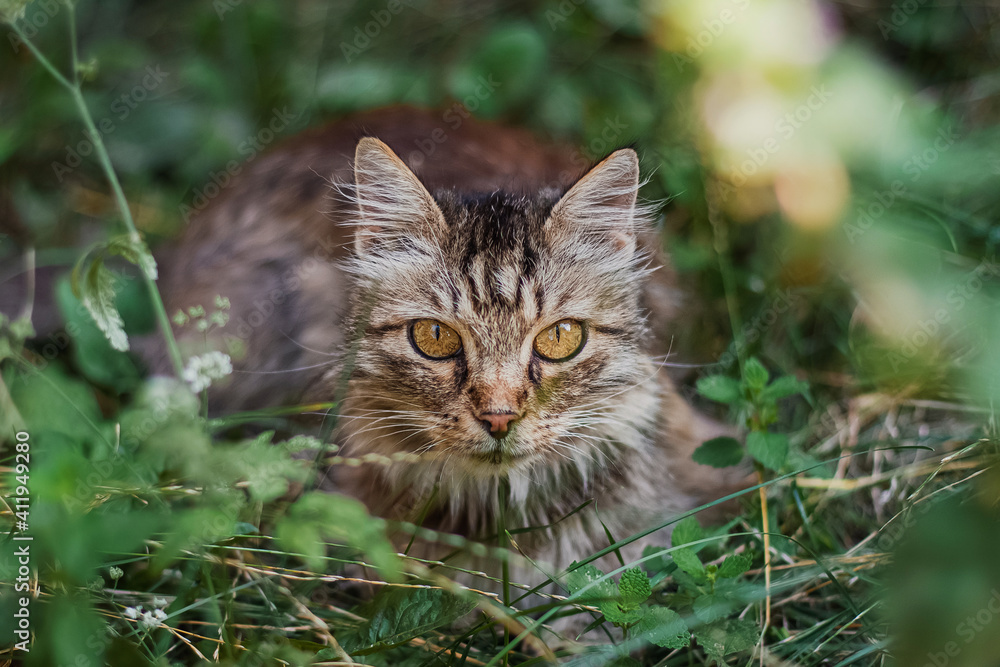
497, 422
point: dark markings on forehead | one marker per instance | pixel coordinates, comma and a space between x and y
432, 296
498, 229
453, 290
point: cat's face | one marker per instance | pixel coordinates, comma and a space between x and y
495, 332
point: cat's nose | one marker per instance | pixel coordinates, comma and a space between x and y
497, 423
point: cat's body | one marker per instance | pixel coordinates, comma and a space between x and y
487, 251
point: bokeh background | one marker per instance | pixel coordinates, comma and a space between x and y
829, 174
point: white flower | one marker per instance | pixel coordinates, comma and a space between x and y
160, 602
202, 370
131, 612
115, 572
160, 615
151, 619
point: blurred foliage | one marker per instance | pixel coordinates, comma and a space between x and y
830, 175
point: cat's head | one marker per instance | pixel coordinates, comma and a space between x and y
494, 331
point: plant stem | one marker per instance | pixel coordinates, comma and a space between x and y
766, 526
503, 542
102, 155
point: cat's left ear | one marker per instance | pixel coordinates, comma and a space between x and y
392, 201
601, 205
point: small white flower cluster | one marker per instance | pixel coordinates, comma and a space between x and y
148, 619
202, 370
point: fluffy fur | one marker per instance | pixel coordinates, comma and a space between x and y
499, 269
490, 238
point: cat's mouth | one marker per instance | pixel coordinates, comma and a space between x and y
500, 454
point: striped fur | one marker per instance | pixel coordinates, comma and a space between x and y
321, 256
499, 269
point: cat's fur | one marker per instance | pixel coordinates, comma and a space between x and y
491, 234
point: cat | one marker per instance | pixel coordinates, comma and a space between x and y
485, 308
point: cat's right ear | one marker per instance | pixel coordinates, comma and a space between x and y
392, 202
601, 206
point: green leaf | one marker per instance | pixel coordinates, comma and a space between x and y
719, 452
397, 615
92, 353
754, 374
688, 561
686, 531
710, 608
194, 529
586, 575
53, 401
663, 627
604, 594
769, 449
728, 636
131, 247
719, 388
735, 565
318, 516
633, 588
96, 291
621, 616
787, 385
267, 468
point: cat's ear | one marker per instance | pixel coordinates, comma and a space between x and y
601, 205
391, 200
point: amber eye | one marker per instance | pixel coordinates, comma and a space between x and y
434, 339
560, 341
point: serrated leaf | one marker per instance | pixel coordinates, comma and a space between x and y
688, 561
397, 615
722, 638
754, 374
633, 588
97, 294
620, 616
92, 353
131, 247
787, 385
318, 516
719, 452
719, 388
686, 531
603, 594
267, 469
710, 608
735, 565
663, 627
769, 449
582, 577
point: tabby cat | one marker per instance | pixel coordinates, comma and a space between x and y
490, 309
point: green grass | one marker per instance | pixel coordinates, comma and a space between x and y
841, 311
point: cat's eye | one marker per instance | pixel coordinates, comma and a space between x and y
560, 341
435, 339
